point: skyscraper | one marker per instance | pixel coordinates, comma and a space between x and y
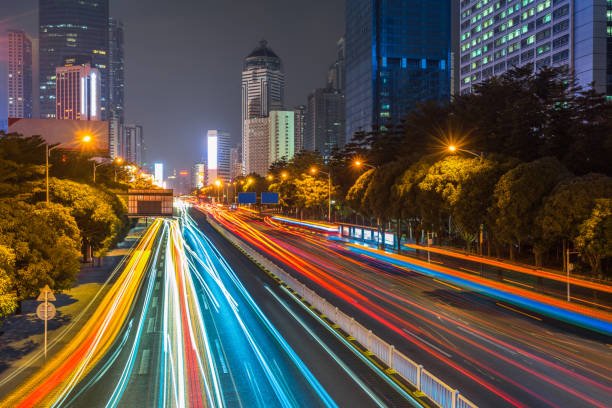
325, 126
116, 86
336, 76
397, 55
19, 74
263, 85
77, 93
281, 142
300, 127
573, 33
71, 28
218, 156
133, 146
235, 162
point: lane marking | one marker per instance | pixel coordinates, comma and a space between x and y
221, 358
517, 311
518, 283
428, 343
151, 325
448, 284
486, 340
144, 362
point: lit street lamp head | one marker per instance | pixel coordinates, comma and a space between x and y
452, 148
218, 183
313, 170
284, 174
86, 139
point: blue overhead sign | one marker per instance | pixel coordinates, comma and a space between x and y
247, 198
269, 198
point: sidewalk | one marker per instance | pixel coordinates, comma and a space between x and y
22, 336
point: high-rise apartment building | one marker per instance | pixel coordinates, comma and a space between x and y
281, 142
198, 175
263, 87
300, 127
116, 86
218, 156
133, 145
235, 162
77, 93
255, 148
71, 28
325, 126
397, 55
19, 49
499, 35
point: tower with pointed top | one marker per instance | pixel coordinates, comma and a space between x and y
263, 87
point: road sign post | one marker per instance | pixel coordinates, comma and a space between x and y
46, 310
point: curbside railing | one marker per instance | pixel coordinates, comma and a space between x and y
434, 388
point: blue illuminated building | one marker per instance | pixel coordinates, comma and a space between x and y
397, 55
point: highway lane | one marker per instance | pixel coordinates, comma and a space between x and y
265, 309
493, 353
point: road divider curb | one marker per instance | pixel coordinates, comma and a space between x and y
411, 377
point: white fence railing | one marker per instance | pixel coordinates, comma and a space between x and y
443, 395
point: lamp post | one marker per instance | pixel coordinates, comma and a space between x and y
86, 139
314, 170
453, 149
118, 160
359, 163
218, 184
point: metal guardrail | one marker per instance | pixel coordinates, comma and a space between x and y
437, 390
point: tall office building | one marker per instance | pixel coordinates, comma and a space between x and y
255, 148
133, 147
336, 76
77, 93
235, 162
116, 86
19, 74
281, 141
499, 35
325, 123
397, 55
218, 156
300, 127
263, 87
158, 174
71, 28
198, 175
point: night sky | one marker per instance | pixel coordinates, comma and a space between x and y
184, 60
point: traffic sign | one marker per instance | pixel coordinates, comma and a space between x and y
46, 290
45, 311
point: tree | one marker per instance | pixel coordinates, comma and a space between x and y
44, 240
517, 198
568, 206
354, 197
93, 212
594, 240
311, 192
8, 297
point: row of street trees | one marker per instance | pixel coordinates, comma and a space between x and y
530, 172
42, 244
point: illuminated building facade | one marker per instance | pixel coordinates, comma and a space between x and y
77, 93
255, 147
19, 74
116, 85
133, 145
325, 127
300, 127
235, 162
218, 156
397, 55
499, 35
158, 174
281, 142
70, 28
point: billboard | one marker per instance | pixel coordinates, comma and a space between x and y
68, 133
269, 198
247, 198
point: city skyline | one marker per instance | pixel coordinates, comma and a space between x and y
195, 27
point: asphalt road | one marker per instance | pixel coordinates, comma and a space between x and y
495, 354
265, 372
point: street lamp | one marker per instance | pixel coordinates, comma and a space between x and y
218, 184
118, 160
314, 170
359, 163
86, 139
284, 175
453, 149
